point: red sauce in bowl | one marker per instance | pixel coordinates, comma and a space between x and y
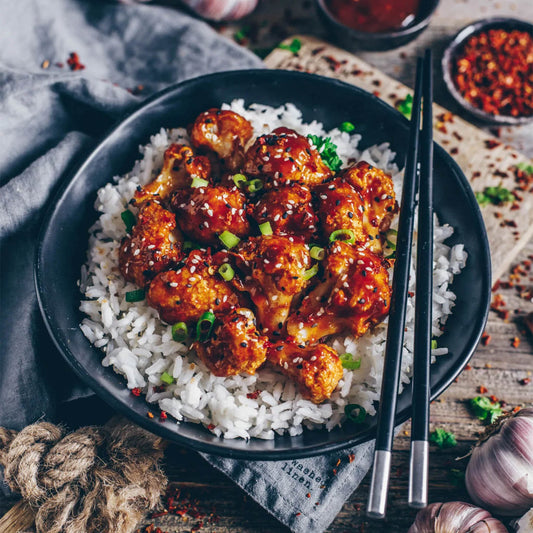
374, 16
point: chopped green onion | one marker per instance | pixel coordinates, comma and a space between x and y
204, 327
348, 361
180, 331
199, 182
356, 418
347, 127
391, 239
135, 296
294, 47
308, 274
265, 228
345, 235
228, 239
239, 180
226, 271
254, 185
166, 378
129, 219
433, 344
317, 253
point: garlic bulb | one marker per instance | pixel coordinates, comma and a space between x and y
455, 517
222, 9
524, 524
499, 476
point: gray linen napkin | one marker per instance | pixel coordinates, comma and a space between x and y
49, 119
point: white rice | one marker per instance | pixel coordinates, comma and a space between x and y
140, 347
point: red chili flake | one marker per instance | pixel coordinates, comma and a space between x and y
516, 409
74, 62
316, 51
493, 398
308, 495
492, 143
159, 514
476, 174
253, 395
338, 462
454, 151
485, 339
351, 458
210, 427
376, 93
160, 388
149, 414
136, 391
468, 367
515, 343
482, 389
163, 416
297, 514
334, 471
45, 64
493, 72
441, 127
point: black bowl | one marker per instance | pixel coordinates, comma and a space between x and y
352, 39
454, 48
64, 237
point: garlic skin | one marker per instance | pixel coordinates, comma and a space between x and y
524, 524
455, 517
222, 9
499, 476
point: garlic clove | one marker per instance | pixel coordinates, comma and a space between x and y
455, 517
499, 475
524, 524
222, 9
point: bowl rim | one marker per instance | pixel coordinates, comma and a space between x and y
164, 430
446, 66
380, 36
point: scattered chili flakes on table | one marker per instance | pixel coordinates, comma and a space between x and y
494, 72
515, 342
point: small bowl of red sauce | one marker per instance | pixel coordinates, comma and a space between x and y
488, 69
375, 24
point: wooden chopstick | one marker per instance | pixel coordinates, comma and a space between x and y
418, 463
377, 499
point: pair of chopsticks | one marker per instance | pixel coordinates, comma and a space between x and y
418, 175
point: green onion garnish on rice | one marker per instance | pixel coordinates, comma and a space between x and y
344, 235
226, 271
348, 361
199, 182
347, 127
265, 228
317, 253
129, 219
433, 344
355, 412
313, 271
204, 327
180, 331
166, 378
137, 295
229, 240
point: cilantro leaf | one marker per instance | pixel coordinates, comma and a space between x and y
494, 195
442, 438
485, 409
328, 151
405, 107
294, 47
527, 168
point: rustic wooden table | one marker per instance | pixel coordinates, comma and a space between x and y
497, 366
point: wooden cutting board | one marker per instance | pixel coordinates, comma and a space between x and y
484, 160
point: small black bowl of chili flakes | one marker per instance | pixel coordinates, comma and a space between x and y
488, 69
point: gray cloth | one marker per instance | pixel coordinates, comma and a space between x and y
49, 119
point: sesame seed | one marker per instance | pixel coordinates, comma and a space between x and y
324, 196
313, 358
173, 284
136, 252
285, 365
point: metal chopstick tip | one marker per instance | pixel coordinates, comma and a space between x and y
377, 499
